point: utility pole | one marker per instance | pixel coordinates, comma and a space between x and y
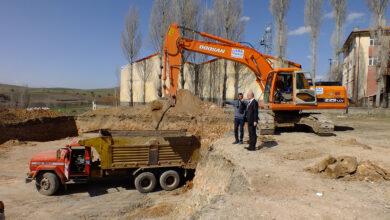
266, 40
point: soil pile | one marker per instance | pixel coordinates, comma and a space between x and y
349, 168
204, 119
9, 116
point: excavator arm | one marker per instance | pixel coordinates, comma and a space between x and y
260, 64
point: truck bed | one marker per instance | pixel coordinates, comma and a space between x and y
141, 149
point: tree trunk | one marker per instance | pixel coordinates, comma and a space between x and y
131, 83
210, 82
144, 91
378, 91
224, 86
196, 81
314, 58
182, 77
236, 78
159, 85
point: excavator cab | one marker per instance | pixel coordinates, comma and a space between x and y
289, 87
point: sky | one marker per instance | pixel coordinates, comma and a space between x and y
76, 43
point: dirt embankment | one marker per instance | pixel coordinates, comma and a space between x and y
204, 119
35, 125
14, 116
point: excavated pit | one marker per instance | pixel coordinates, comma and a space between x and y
35, 125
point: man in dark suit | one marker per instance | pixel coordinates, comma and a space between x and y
252, 117
2, 216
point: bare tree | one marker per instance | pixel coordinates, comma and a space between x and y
131, 43
313, 21
238, 66
144, 75
378, 9
279, 9
228, 15
187, 14
117, 87
208, 24
160, 19
339, 8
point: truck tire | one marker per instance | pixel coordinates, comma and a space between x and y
47, 184
145, 182
169, 180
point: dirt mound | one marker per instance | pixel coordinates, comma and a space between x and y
349, 168
205, 119
216, 176
9, 116
187, 103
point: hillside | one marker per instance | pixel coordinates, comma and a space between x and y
19, 96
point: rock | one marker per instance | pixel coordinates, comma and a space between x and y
344, 166
321, 166
347, 163
371, 172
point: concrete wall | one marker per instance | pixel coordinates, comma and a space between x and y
359, 77
355, 68
210, 80
152, 66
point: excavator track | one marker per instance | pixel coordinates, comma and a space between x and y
266, 123
320, 124
270, 120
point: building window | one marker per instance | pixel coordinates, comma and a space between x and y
372, 61
373, 41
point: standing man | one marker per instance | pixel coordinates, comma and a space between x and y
252, 116
239, 116
2, 215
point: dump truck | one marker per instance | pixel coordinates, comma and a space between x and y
148, 157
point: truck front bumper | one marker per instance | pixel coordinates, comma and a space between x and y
29, 177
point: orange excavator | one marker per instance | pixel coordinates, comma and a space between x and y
287, 92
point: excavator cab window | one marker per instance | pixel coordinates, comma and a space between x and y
303, 94
283, 87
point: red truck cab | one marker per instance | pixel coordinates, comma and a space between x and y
53, 168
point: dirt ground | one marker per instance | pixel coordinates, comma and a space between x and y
230, 182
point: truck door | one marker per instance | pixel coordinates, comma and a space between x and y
67, 164
303, 94
88, 160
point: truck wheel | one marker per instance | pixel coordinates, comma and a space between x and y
145, 182
47, 184
169, 180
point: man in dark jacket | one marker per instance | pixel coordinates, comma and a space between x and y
239, 116
2, 216
252, 117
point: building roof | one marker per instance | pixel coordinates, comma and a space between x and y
357, 32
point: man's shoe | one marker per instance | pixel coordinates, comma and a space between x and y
236, 142
250, 148
240, 142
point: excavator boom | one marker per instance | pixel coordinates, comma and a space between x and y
259, 63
